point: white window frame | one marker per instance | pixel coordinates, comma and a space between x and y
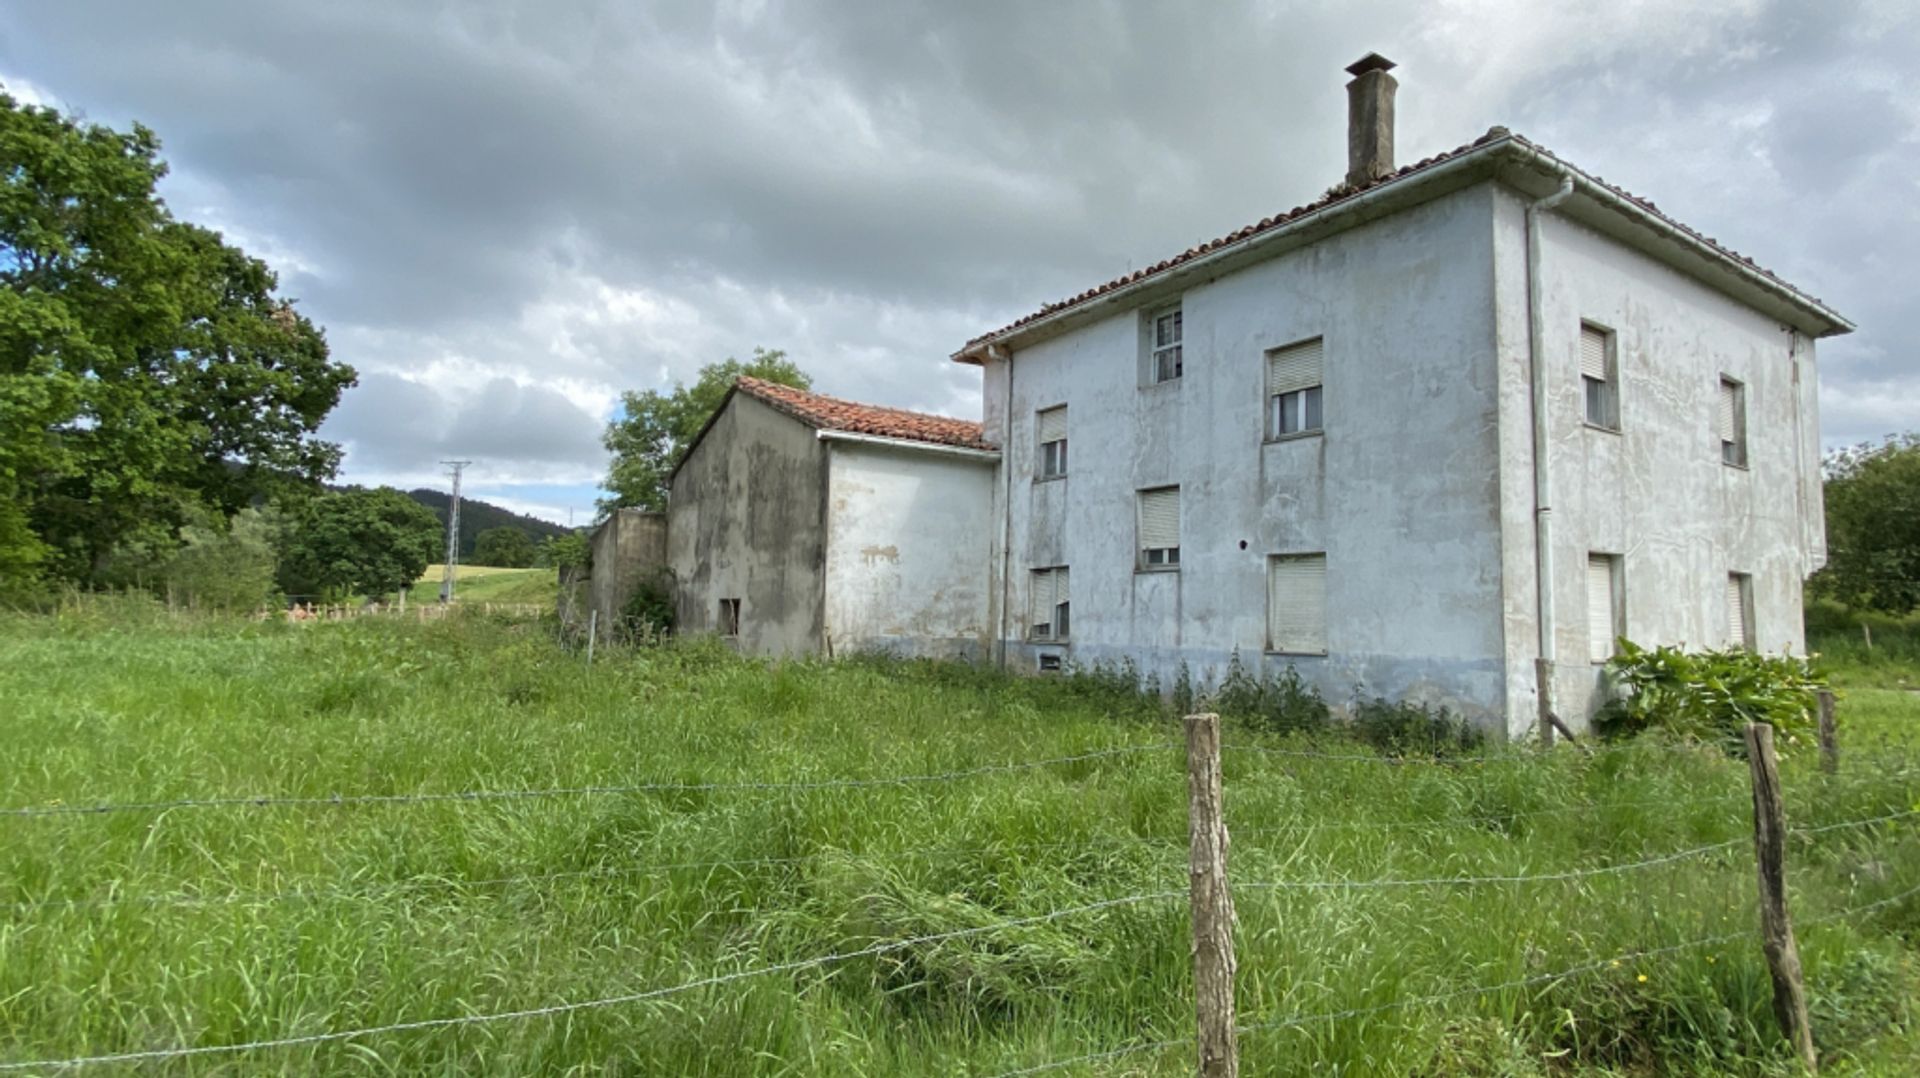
1055, 583
1155, 559
1609, 385
729, 620
1276, 646
1602, 648
1171, 353
1733, 443
1052, 452
1306, 402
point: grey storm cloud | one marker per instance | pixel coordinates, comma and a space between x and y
507, 212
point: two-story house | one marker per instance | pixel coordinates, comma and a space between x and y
1446, 433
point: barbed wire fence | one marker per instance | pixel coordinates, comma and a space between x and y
1198, 763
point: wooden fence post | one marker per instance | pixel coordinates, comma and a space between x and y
1829, 734
1213, 959
1776, 930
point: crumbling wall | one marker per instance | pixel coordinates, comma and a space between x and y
627, 548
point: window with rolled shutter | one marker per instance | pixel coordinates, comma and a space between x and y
1739, 626
1730, 420
1050, 604
1293, 389
1052, 436
1603, 607
1160, 527
1297, 603
1598, 377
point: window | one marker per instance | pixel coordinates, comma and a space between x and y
1160, 528
729, 617
1599, 377
1732, 423
1166, 333
1740, 610
1293, 389
1605, 621
1052, 425
1297, 603
1051, 614
1050, 664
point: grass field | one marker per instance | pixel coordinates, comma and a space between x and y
162, 927
487, 584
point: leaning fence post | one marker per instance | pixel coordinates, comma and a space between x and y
593, 622
1776, 930
1213, 960
1829, 734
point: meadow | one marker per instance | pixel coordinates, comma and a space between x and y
479, 584
1502, 912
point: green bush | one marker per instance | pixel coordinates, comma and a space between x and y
1709, 695
649, 610
1275, 703
1401, 727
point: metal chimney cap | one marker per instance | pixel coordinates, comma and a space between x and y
1372, 61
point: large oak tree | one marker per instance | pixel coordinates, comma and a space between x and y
147, 367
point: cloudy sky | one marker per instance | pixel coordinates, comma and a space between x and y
504, 213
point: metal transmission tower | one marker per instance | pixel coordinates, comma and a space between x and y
453, 531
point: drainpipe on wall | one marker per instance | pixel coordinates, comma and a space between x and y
1542, 479
1000, 352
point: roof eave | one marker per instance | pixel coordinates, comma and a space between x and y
969, 452
1606, 209
1371, 204
1700, 258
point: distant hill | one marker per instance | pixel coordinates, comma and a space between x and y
477, 516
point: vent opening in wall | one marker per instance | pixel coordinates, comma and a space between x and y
1049, 664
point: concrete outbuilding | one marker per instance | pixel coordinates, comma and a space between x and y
803, 524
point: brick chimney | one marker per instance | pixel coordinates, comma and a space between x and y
1370, 119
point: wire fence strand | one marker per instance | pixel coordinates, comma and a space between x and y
1476, 881
271, 801
321, 894
1442, 997
607, 1001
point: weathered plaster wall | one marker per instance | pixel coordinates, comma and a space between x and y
1656, 492
908, 537
1401, 491
746, 520
626, 547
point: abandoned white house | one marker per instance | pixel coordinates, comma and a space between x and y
1447, 432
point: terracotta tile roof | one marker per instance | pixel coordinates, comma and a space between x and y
1343, 194
831, 413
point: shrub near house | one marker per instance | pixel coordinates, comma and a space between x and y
1710, 695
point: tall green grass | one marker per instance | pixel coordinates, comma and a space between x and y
206, 926
1863, 648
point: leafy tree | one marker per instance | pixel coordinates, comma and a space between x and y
569, 551
1873, 526
654, 428
357, 542
146, 367
507, 548
225, 564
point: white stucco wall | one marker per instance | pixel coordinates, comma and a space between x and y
1401, 491
907, 547
1656, 492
